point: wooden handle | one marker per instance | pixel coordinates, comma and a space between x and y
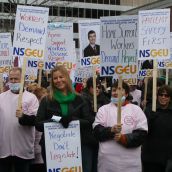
119, 100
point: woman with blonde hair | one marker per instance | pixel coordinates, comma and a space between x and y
62, 101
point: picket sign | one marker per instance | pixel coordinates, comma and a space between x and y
94, 89
22, 83
119, 100
154, 96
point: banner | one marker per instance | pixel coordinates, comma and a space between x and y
30, 32
118, 46
5, 50
63, 148
89, 36
154, 34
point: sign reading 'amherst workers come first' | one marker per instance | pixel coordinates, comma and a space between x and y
154, 34
30, 32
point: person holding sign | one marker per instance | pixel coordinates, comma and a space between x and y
119, 144
157, 148
63, 105
17, 126
92, 49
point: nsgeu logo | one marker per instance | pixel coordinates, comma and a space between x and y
111, 70
89, 61
65, 169
27, 52
154, 53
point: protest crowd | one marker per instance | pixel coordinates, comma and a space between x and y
109, 109
141, 137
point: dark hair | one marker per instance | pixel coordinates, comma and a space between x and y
90, 32
165, 88
125, 86
90, 82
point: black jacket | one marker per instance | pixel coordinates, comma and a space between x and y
78, 110
157, 147
89, 51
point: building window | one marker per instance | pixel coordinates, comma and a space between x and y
88, 13
100, 13
106, 12
94, 14
75, 12
68, 12
81, 12
62, 11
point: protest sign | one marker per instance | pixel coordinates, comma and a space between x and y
63, 148
30, 31
5, 50
89, 36
118, 53
154, 34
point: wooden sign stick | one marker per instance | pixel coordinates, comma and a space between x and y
119, 100
22, 83
94, 89
166, 77
145, 93
40, 77
154, 96
1, 83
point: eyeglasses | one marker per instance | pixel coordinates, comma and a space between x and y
165, 95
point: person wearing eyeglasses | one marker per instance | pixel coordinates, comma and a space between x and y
157, 148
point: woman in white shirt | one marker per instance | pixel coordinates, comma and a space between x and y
119, 145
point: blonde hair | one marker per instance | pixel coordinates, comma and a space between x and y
64, 71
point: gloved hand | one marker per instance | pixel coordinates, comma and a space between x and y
65, 120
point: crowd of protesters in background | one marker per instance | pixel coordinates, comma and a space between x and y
106, 147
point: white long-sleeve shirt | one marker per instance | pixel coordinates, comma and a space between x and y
15, 139
114, 157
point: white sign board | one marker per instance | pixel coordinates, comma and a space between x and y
5, 50
30, 31
118, 55
89, 36
154, 34
63, 147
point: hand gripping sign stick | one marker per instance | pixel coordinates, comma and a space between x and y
22, 83
119, 100
94, 89
154, 86
145, 92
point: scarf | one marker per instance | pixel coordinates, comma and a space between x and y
64, 100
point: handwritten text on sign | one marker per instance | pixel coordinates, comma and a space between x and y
154, 34
29, 37
5, 50
63, 148
59, 41
119, 46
